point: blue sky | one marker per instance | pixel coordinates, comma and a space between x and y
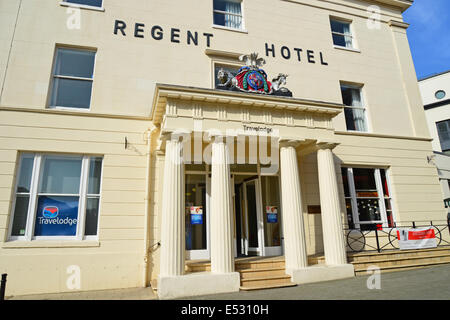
429, 35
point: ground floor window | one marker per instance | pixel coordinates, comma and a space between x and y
368, 199
57, 196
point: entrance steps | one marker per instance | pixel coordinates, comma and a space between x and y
256, 272
398, 260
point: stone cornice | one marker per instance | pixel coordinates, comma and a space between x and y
165, 93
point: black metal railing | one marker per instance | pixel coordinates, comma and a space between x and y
377, 238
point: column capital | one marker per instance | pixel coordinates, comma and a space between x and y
326, 145
290, 142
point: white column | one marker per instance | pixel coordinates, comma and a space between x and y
222, 252
293, 225
333, 236
172, 260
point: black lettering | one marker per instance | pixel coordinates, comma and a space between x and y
120, 25
310, 55
287, 55
138, 29
208, 40
321, 60
175, 35
194, 38
270, 50
299, 51
157, 33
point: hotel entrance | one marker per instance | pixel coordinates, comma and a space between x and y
257, 212
257, 215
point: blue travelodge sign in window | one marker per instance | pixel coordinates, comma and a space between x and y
56, 216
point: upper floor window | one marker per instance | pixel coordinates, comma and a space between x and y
342, 33
355, 112
90, 3
56, 197
228, 13
73, 75
443, 128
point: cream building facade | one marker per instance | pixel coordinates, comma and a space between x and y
121, 158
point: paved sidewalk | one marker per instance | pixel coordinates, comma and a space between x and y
421, 284
424, 284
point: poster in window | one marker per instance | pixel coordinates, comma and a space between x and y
56, 216
197, 215
272, 214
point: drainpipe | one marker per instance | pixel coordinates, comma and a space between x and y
147, 205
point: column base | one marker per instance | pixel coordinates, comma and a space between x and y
320, 273
198, 283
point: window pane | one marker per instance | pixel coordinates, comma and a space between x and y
195, 212
348, 206
20, 216
384, 183
272, 210
56, 216
220, 5
351, 96
339, 40
339, 26
92, 205
95, 174
26, 170
365, 182
75, 63
444, 134
60, 175
94, 3
71, 93
349, 119
345, 182
219, 19
368, 210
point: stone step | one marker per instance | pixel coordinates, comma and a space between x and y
262, 272
266, 281
366, 257
273, 286
398, 262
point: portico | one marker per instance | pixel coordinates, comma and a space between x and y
201, 127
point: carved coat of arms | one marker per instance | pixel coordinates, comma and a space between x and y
252, 78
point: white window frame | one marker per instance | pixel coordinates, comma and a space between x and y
55, 76
242, 28
354, 46
65, 3
362, 107
381, 198
33, 194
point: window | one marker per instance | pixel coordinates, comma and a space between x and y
90, 3
443, 129
367, 197
56, 197
73, 74
354, 111
342, 34
228, 13
440, 94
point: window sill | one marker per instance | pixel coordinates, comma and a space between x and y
18, 244
73, 109
81, 6
347, 49
216, 26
